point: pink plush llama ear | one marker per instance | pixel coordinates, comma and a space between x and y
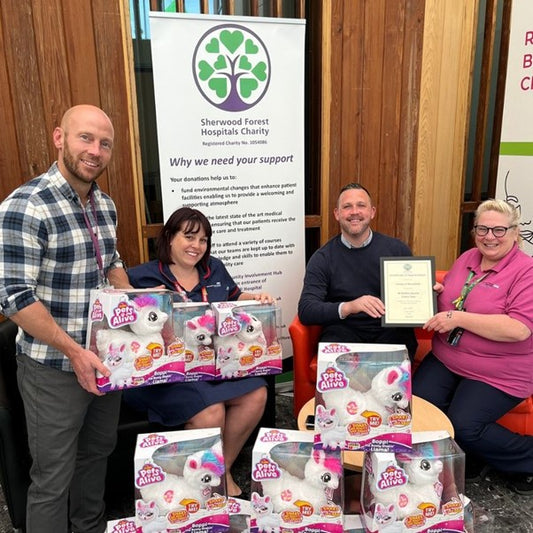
191, 325
393, 376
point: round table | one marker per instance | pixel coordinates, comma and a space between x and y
426, 417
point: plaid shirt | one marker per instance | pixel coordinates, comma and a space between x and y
47, 255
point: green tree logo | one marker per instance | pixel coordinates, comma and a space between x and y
231, 67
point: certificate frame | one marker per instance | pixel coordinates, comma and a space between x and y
407, 290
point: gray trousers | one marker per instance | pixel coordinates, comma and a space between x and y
70, 435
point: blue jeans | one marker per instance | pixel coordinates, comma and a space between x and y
70, 435
474, 408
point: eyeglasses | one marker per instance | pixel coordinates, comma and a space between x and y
497, 231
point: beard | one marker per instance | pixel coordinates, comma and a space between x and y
73, 165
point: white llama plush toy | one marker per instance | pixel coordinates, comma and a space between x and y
385, 518
423, 486
321, 478
249, 338
265, 518
198, 333
148, 516
228, 365
388, 393
120, 364
142, 336
332, 433
202, 471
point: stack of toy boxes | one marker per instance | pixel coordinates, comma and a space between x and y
194, 324
132, 333
363, 397
180, 481
295, 487
420, 491
247, 339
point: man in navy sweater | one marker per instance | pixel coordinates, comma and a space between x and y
342, 285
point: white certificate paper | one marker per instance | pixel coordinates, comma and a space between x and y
407, 290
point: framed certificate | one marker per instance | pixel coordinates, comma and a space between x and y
407, 290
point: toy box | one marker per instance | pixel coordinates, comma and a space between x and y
132, 333
194, 324
363, 397
180, 481
294, 486
420, 491
247, 339
123, 525
239, 515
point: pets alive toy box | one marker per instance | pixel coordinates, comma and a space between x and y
247, 339
194, 324
294, 486
123, 525
132, 333
363, 397
239, 515
180, 481
420, 491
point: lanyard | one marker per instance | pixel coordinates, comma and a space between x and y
459, 302
94, 235
178, 287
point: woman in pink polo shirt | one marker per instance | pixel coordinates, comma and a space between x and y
481, 363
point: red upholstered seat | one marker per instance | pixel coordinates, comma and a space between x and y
305, 344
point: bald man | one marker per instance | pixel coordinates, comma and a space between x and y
57, 242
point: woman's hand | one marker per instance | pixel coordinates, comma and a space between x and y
442, 322
438, 287
262, 297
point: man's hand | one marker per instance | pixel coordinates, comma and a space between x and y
85, 364
371, 305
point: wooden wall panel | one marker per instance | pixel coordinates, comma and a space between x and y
9, 161
370, 98
401, 113
56, 54
112, 36
81, 57
23, 88
449, 38
409, 98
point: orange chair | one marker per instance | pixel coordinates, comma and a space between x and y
305, 343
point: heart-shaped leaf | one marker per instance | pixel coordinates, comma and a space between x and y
244, 64
247, 86
259, 71
231, 39
212, 46
205, 70
220, 63
220, 86
250, 47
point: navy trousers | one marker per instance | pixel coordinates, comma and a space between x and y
474, 408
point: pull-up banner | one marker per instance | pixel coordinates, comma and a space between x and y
229, 94
515, 168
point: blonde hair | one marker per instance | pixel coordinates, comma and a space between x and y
503, 207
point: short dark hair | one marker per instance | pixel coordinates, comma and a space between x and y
355, 185
187, 220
